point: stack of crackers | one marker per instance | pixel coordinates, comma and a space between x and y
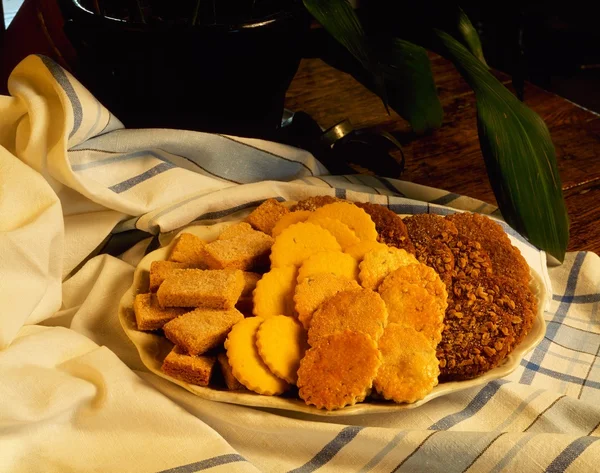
334, 302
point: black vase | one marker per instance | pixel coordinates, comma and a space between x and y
228, 79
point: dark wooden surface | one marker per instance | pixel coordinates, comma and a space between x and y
450, 158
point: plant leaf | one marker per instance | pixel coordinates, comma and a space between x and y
468, 35
409, 84
519, 156
340, 20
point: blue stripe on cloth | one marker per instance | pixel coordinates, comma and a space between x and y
384, 451
206, 464
579, 299
59, 74
512, 453
134, 181
570, 454
535, 368
389, 186
340, 193
476, 404
412, 209
445, 199
116, 159
434, 455
559, 315
267, 152
330, 450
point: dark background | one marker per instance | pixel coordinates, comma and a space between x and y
556, 47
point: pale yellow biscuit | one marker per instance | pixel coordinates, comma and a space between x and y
298, 242
246, 364
314, 290
281, 343
333, 262
359, 250
359, 310
342, 232
356, 218
377, 264
274, 292
288, 220
410, 369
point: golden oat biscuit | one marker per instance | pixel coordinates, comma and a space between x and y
339, 371
288, 220
247, 251
422, 276
389, 226
359, 310
274, 293
235, 230
196, 370
316, 289
356, 218
359, 250
377, 264
149, 315
477, 336
423, 227
189, 249
201, 330
506, 259
299, 241
437, 255
244, 303
211, 289
161, 270
313, 203
412, 306
342, 233
281, 343
246, 364
333, 262
409, 368
230, 381
266, 215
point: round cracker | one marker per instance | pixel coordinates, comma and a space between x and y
281, 343
339, 371
409, 368
359, 310
246, 364
298, 242
316, 289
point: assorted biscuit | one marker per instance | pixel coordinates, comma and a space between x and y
334, 302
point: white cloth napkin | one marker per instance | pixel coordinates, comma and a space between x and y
74, 394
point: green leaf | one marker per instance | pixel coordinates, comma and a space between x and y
467, 35
519, 156
409, 85
340, 20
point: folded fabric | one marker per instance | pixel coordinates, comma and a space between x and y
75, 395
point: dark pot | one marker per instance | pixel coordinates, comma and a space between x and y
227, 79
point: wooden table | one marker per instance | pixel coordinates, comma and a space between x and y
450, 158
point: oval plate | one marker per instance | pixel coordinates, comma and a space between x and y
153, 348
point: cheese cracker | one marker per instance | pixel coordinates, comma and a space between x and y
281, 343
246, 364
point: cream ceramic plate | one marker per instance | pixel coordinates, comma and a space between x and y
154, 348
